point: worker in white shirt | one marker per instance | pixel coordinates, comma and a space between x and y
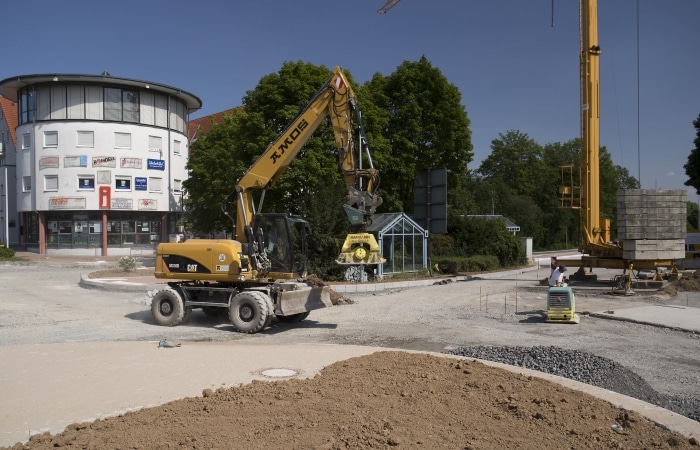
557, 278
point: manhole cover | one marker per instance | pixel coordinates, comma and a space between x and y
279, 373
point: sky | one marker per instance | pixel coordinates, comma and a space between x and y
515, 62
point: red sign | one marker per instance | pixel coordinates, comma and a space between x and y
105, 197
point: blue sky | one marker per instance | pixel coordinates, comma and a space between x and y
514, 70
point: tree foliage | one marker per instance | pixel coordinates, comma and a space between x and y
692, 167
415, 120
521, 179
220, 157
481, 236
213, 169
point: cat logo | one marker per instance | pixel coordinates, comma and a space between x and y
191, 267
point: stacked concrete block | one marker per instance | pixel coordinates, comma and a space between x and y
651, 223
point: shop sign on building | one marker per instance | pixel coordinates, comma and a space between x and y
75, 161
104, 177
104, 161
148, 204
130, 163
156, 164
140, 183
67, 203
105, 197
122, 203
49, 162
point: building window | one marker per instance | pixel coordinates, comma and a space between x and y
93, 103
121, 105
26, 184
177, 186
86, 139
155, 143
176, 147
58, 102
26, 141
122, 140
76, 102
113, 104
50, 139
86, 182
50, 182
27, 104
130, 101
155, 184
122, 183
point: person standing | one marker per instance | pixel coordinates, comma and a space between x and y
557, 278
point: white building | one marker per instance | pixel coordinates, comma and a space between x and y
99, 160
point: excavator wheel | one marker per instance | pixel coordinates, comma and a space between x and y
249, 311
294, 318
168, 308
271, 311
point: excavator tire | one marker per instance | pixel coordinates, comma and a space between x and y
168, 308
249, 311
294, 318
271, 311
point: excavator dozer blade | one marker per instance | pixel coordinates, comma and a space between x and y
303, 300
360, 248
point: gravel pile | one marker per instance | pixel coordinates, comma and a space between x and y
586, 368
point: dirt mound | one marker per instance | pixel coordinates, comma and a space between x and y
381, 401
686, 283
336, 297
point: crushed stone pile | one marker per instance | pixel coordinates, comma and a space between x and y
586, 368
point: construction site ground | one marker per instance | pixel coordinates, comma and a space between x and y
368, 374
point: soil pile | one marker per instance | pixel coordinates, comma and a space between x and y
686, 283
380, 401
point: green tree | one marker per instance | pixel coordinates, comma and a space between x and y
692, 167
422, 125
516, 175
493, 239
213, 170
516, 160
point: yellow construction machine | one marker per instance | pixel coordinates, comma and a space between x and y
262, 272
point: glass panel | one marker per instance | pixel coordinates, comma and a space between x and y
76, 109
93, 105
113, 104
130, 104
58, 102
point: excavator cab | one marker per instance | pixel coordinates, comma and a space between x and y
282, 239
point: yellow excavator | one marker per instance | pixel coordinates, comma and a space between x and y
261, 274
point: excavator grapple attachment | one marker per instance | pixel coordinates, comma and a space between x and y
360, 248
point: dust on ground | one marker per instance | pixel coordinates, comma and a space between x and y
381, 401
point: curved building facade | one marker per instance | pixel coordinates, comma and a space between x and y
100, 162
